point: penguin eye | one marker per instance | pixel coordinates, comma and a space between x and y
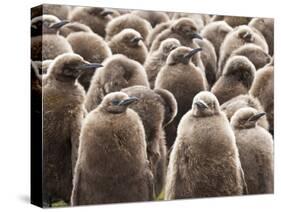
115, 102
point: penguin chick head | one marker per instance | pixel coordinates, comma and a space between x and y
241, 69
245, 33
182, 55
130, 38
46, 24
205, 104
246, 118
117, 102
186, 27
101, 13
169, 45
68, 67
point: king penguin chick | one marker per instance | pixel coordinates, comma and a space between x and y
63, 112
254, 53
155, 31
157, 59
185, 30
215, 32
74, 27
233, 21
237, 78
153, 17
156, 108
45, 42
129, 42
94, 17
60, 11
173, 77
209, 60
266, 27
204, 161
92, 48
255, 147
242, 101
118, 72
238, 37
112, 166
263, 89
200, 19
128, 21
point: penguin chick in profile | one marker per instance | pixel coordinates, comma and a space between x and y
94, 17
185, 30
45, 42
238, 37
215, 32
255, 54
129, 42
173, 77
153, 17
242, 101
266, 27
209, 60
204, 161
73, 27
112, 166
263, 89
157, 59
60, 11
156, 108
127, 21
118, 72
92, 48
255, 147
200, 19
237, 78
63, 112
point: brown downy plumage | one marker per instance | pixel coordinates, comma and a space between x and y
242, 101
63, 112
266, 27
238, 37
156, 108
94, 17
263, 89
204, 161
112, 165
45, 42
255, 146
173, 77
233, 21
237, 78
118, 72
73, 27
200, 19
60, 11
128, 21
129, 42
155, 31
157, 59
92, 48
153, 17
215, 32
255, 54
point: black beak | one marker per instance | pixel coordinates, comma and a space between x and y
91, 66
191, 53
59, 24
257, 116
248, 37
196, 35
106, 12
128, 101
136, 39
201, 104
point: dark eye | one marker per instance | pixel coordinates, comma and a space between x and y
115, 102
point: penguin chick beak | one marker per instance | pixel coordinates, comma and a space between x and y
136, 39
128, 101
201, 104
106, 12
91, 66
191, 53
59, 24
196, 35
256, 116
